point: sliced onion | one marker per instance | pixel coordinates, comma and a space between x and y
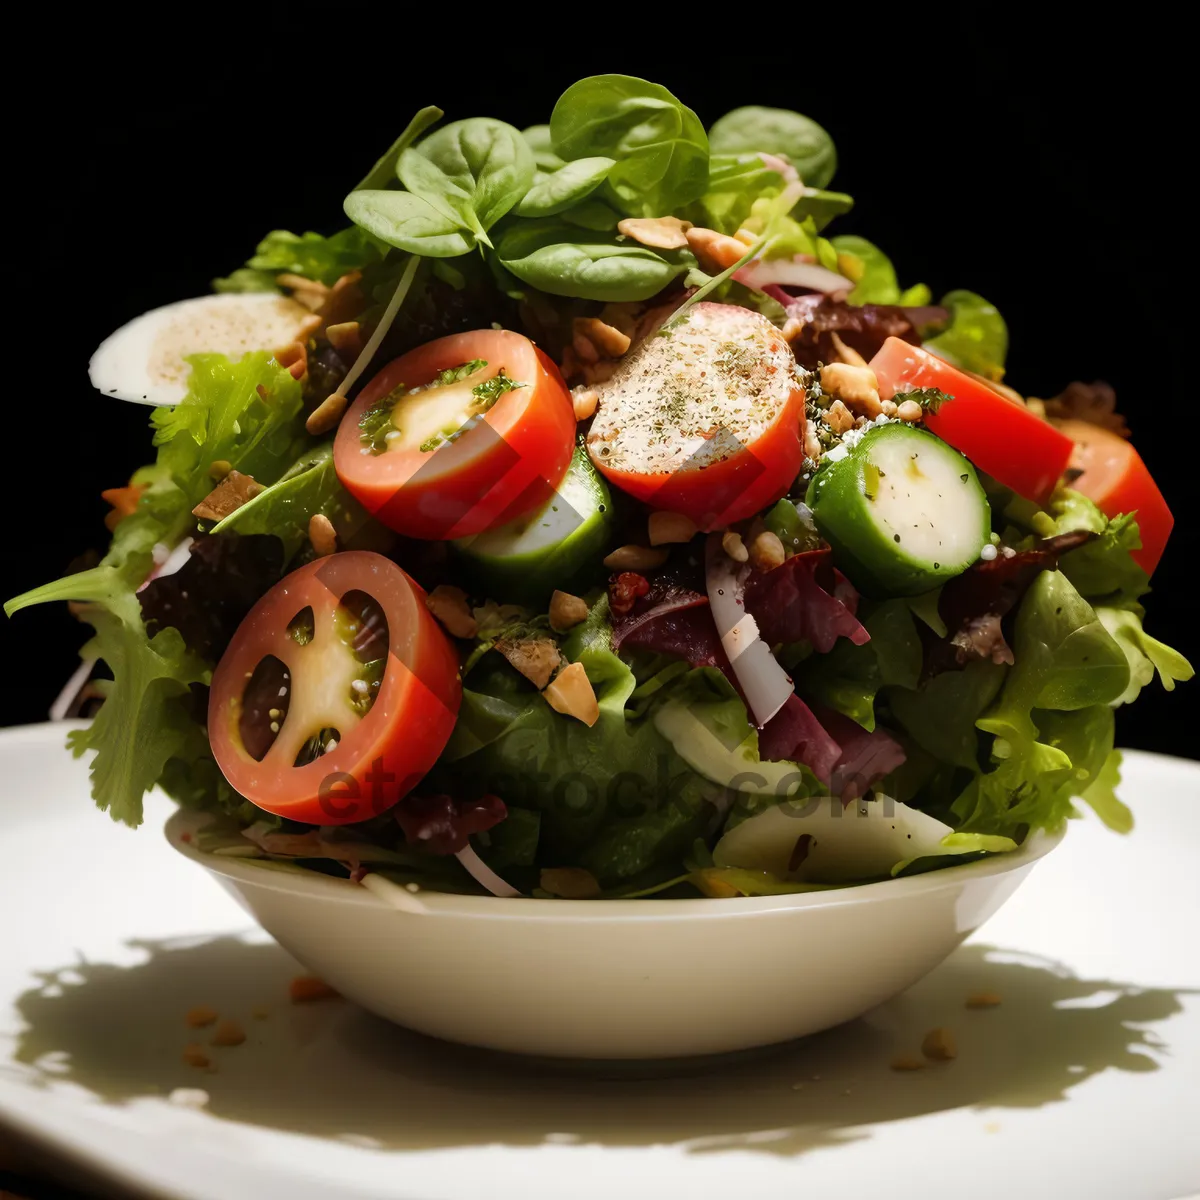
799, 271
71, 689
483, 874
166, 560
766, 685
784, 168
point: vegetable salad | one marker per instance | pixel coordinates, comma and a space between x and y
583, 520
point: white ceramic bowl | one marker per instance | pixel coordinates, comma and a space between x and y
620, 979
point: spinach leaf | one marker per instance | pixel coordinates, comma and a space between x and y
976, 338
592, 214
797, 138
735, 181
408, 223
559, 190
471, 171
822, 206
537, 138
659, 144
547, 255
384, 171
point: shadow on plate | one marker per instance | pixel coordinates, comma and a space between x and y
330, 1070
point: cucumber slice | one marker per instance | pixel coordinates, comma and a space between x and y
902, 510
554, 547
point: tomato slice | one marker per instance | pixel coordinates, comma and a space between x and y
1116, 479
1013, 445
439, 458
706, 421
341, 668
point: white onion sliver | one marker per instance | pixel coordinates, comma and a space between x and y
167, 562
483, 874
766, 684
71, 689
391, 893
792, 272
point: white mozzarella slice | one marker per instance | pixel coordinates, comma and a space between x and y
145, 360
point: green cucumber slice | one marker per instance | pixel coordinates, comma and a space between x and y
902, 510
527, 559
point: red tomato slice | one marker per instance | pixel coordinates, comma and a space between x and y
454, 469
275, 690
707, 421
1117, 481
1013, 445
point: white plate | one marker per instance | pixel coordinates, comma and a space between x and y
1078, 1084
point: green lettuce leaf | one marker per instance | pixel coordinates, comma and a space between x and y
1145, 654
874, 276
247, 413
325, 259
976, 338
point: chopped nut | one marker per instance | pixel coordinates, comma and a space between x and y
839, 418
322, 535
584, 401
793, 327
567, 610
857, 386
939, 1046
228, 1033
600, 372
766, 551
449, 605
219, 468
847, 354
228, 496
713, 249
909, 411
584, 350
308, 327
812, 443
535, 657
983, 1000
907, 1062
327, 414
671, 527
659, 233
571, 693
609, 340
200, 1016
569, 365
344, 300
621, 315
889, 407
732, 544
196, 1056
571, 883
309, 292
346, 338
304, 988
635, 558
294, 358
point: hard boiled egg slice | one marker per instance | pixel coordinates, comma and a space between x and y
144, 361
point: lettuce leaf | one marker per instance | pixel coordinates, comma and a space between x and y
325, 259
976, 338
247, 413
1145, 654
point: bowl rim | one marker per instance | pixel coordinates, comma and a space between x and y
298, 881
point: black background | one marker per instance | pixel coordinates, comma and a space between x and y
1046, 174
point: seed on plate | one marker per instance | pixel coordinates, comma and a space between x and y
566, 610
767, 550
635, 558
327, 414
200, 1016
322, 535
671, 527
983, 999
584, 401
909, 411
275, 713
305, 988
274, 726
732, 544
196, 1056
939, 1045
228, 1033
